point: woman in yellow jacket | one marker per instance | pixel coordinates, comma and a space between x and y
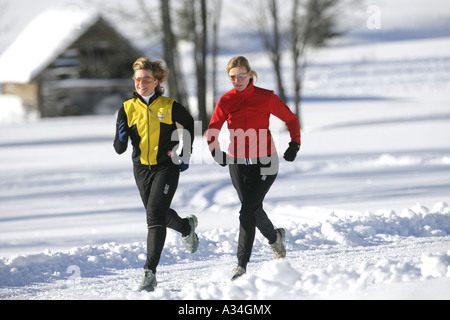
149, 120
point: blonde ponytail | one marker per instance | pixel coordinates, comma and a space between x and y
241, 61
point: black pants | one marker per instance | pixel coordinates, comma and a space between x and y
157, 186
252, 186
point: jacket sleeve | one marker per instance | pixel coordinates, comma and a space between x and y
119, 146
218, 117
279, 109
184, 118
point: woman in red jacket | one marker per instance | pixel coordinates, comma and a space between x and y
252, 156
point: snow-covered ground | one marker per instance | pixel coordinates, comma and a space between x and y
365, 205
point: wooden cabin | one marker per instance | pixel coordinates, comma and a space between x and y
66, 64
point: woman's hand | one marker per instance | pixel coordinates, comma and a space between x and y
291, 151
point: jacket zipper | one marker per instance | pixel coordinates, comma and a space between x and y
148, 131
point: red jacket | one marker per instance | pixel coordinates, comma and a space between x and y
247, 113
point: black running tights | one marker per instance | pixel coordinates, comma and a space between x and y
157, 187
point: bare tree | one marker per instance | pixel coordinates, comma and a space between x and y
215, 16
194, 27
200, 40
152, 20
148, 21
267, 19
312, 23
175, 81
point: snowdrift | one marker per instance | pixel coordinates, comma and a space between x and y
275, 279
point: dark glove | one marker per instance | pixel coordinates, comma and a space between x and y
291, 151
182, 161
183, 166
122, 131
220, 157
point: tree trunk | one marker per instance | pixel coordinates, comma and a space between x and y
276, 53
200, 61
215, 46
175, 81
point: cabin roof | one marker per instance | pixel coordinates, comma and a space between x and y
42, 41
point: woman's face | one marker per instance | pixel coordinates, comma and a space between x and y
240, 77
144, 83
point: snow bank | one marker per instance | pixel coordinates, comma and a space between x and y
370, 228
279, 280
11, 109
275, 279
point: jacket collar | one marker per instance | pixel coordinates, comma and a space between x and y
152, 99
247, 91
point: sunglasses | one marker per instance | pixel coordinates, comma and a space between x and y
143, 80
239, 77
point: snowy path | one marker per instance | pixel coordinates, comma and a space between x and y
365, 205
321, 267
72, 225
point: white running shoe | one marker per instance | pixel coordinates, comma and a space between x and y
191, 240
279, 251
148, 281
238, 272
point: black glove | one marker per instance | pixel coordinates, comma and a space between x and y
182, 160
220, 157
183, 166
291, 151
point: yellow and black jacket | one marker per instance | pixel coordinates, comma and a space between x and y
152, 129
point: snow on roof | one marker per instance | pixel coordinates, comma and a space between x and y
42, 41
